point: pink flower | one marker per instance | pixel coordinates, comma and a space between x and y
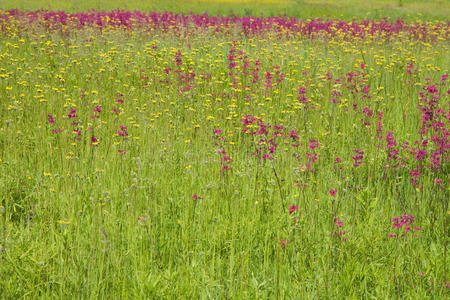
294, 135
122, 131
333, 192
403, 221
292, 209
313, 144
265, 156
51, 119
72, 114
283, 244
358, 157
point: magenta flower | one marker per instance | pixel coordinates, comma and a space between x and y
405, 222
119, 99
51, 119
294, 135
292, 209
358, 158
333, 192
56, 131
122, 131
301, 95
178, 59
313, 144
339, 233
266, 156
415, 175
278, 127
312, 157
72, 114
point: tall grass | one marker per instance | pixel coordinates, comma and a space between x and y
124, 175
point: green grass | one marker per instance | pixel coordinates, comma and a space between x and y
83, 221
345, 9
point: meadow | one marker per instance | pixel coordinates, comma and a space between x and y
167, 154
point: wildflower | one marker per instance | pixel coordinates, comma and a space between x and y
415, 174
358, 157
266, 156
122, 131
405, 222
292, 209
72, 114
51, 119
333, 192
339, 233
294, 135
313, 144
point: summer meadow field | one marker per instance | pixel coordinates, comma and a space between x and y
261, 150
